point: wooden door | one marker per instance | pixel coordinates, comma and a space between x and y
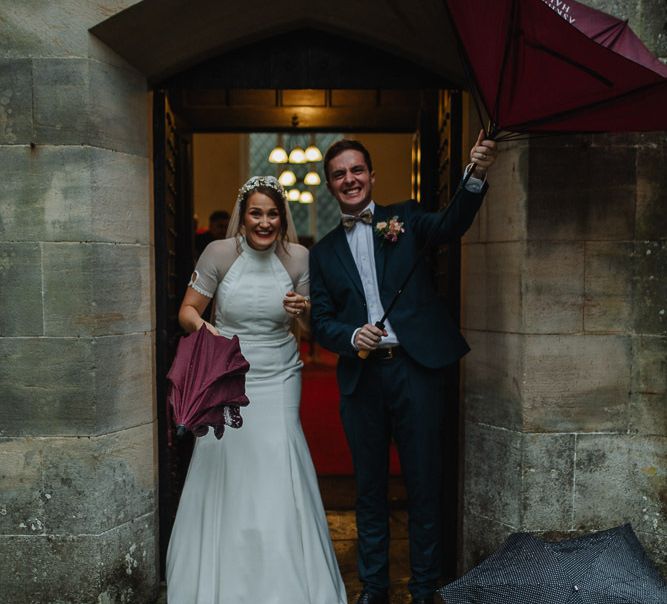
174, 262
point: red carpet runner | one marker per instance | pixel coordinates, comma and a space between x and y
320, 417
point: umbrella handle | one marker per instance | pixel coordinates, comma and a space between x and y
363, 354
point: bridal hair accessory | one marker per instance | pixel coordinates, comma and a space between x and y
260, 181
391, 230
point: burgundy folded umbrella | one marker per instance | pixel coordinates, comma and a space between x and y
207, 384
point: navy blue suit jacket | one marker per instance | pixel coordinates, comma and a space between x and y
424, 329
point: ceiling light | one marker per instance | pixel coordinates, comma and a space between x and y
306, 197
293, 194
297, 156
287, 178
278, 155
312, 179
313, 153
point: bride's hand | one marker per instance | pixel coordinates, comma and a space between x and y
296, 305
210, 327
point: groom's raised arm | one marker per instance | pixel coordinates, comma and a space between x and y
328, 330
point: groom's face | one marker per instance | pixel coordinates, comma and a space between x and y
350, 181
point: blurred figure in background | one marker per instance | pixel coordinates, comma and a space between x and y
218, 222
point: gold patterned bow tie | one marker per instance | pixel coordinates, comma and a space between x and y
350, 222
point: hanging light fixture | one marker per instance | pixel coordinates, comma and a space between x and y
306, 197
313, 153
293, 194
297, 156
287, 178
278, 155
312, 179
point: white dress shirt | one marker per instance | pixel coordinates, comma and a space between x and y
360, 240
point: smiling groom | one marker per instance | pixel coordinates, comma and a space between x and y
396, 392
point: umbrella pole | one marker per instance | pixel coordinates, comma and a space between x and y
363, 354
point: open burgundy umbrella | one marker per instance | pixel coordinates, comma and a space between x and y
547, 66
207, 384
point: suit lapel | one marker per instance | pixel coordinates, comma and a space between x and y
379, 215
342, 249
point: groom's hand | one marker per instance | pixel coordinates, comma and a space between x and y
368, 337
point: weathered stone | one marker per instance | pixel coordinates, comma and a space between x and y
85, 102
73, 486
648, 400
505, 203
21, 289
96, 289
73, 193
576, 383
552, 285
15, 102
651, 221
492, 473
47, 386
548, 481
655, 545
481, 537
492, 375
117, 566
650, 300
124, 380
621, 478
581, 193
610, 269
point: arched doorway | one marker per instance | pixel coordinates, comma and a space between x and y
380, 85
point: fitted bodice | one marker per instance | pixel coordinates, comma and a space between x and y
249, 300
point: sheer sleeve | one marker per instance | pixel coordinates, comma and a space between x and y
295, 261
212, 266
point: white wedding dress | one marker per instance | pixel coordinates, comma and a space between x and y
250, 526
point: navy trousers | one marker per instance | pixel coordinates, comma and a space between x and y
397, 397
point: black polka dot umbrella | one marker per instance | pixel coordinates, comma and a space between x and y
608, 567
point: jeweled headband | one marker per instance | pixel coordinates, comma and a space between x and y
260, 181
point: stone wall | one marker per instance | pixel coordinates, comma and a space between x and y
77, 459
565, 309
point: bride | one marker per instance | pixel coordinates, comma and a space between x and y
250, 526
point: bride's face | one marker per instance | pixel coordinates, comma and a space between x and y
261, 221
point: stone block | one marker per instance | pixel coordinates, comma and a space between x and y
78, 101
505, 203
621, 478
552, 287
21, 289
581, 193
117, 566
96, 289
124, 378
651, 221
15, 101
648, 399
74, 193
548, 481
47, 386
650, 299
655, 545
473, 286
576, 383
75, 486
610, 277
481, 537
492, 374
492, 475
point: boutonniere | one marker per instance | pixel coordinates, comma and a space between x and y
389, 231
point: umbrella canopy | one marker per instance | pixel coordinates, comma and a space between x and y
207, 383
536, 70
608, 567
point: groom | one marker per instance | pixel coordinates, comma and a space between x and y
397, 391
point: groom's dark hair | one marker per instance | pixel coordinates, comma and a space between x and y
346, 144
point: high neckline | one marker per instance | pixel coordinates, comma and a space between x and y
247, 248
